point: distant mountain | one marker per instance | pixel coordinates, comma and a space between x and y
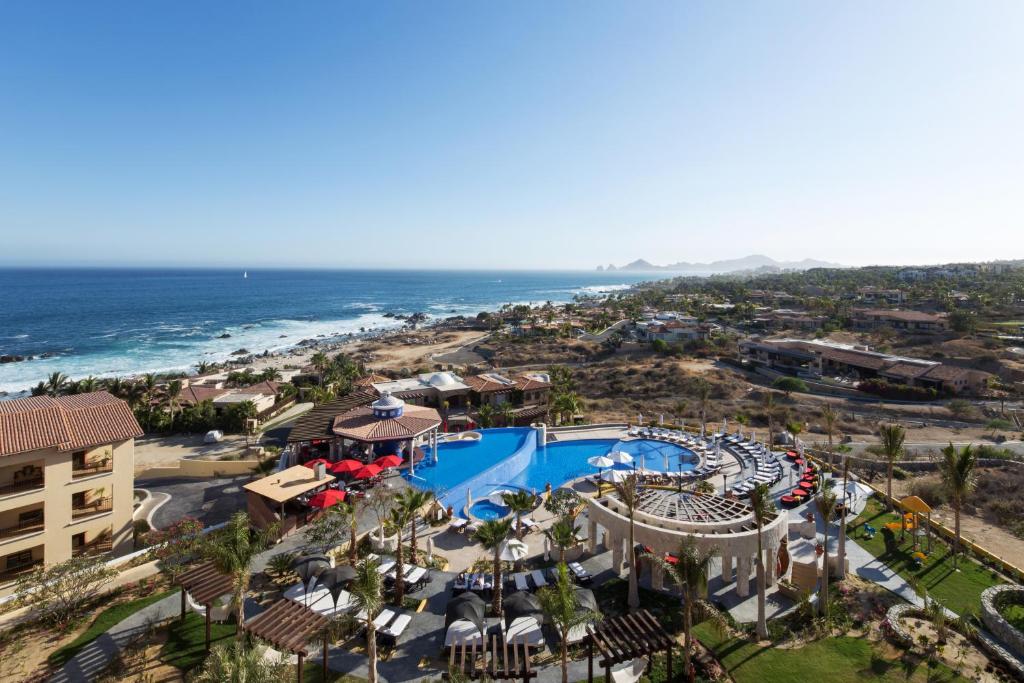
754, 262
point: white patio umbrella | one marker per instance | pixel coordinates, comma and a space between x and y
666, 460
620, 457
640, 419
641, 463
661, 419
547, 548
469, 498
600, 461
514, 551
498, 497
614, 476
430, 549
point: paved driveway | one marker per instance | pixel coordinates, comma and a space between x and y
210, 500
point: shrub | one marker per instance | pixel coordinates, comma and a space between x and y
59, 591
790, 384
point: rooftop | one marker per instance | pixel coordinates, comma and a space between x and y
287, 484
65, 423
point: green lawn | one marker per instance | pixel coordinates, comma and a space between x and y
186, 641
959, 591
836, 660
103, 622
1015, 615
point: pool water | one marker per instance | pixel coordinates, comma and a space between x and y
486, 510
555, 463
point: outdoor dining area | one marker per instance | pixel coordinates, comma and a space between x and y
808, 483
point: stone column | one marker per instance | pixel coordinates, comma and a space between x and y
616, 553
743, 576
726, 568
772, 553
591, 535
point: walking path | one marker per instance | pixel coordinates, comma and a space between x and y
94, 657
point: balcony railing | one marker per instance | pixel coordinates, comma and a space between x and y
22, 485
90, 469
15, 572
94, 547
21, 528
93, 507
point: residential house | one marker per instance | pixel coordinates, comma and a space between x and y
912, 322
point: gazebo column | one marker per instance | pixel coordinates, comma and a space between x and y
657, 575
743, 576
616, 554
726, 568
772, 553
412, 457
591, 535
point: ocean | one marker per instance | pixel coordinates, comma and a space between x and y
116, 322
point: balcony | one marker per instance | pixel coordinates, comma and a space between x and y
98, 546
22, 528
11, 574
89, 469
22, 485
93, 507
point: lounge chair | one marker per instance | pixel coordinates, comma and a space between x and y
529, 524
458, 525
538, 578
521, 583
383, 619
581, 574
462, 632
393, 631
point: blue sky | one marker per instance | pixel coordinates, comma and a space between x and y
539, 135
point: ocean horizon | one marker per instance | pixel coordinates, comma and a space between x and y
109, 322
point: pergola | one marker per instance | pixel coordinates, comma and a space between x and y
205, 584
266, 498
508, 661
623, 639
290, 626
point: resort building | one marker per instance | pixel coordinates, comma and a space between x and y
814, 359
262, 394
432, 389
875, 295
527, 393
66, 479
912, 322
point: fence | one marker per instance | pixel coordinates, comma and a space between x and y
1011, 570
188, 467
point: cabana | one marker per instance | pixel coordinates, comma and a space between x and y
290, 626
386, 424
204, 585
631, 639
275, 499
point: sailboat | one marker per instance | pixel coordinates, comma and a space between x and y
245, 274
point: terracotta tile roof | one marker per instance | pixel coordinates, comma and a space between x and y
524, 383
482, 384
195, 395
855, 358
947, 373
266, 388
361, 424
66, 423
907, 316
370, 379
318, 422
906, 370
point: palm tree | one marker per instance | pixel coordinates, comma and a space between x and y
825, 502
830, 417
203, 368
959, 479
56, 384
519, 502
893, 437
232, 551
690, 573
350, 508
87, 385
841, 552
413, 501
763, 507
367, 593
149, 383
507, 413
236, 662
399, 517
492, 535
562, 534
680, 410
629, 493
567, 406
117, 387
563, 611
703, 395
134, 394
172, 399
321, 362
485, 415
768, 403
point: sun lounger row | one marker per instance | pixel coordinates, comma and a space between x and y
388, 625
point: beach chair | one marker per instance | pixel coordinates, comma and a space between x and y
581, 574
524, 630
521, 583
538, 578
458, 525
393, 631
529, 524
630, 672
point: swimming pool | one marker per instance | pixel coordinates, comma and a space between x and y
510, 457
485, 509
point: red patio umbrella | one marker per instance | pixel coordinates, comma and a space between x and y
387, 461
798, 493
313, 463
326, 499
808, 485
345, 467
367, 472
791, 454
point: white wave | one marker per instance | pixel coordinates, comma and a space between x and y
601, 289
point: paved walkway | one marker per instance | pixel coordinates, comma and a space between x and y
93, 658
